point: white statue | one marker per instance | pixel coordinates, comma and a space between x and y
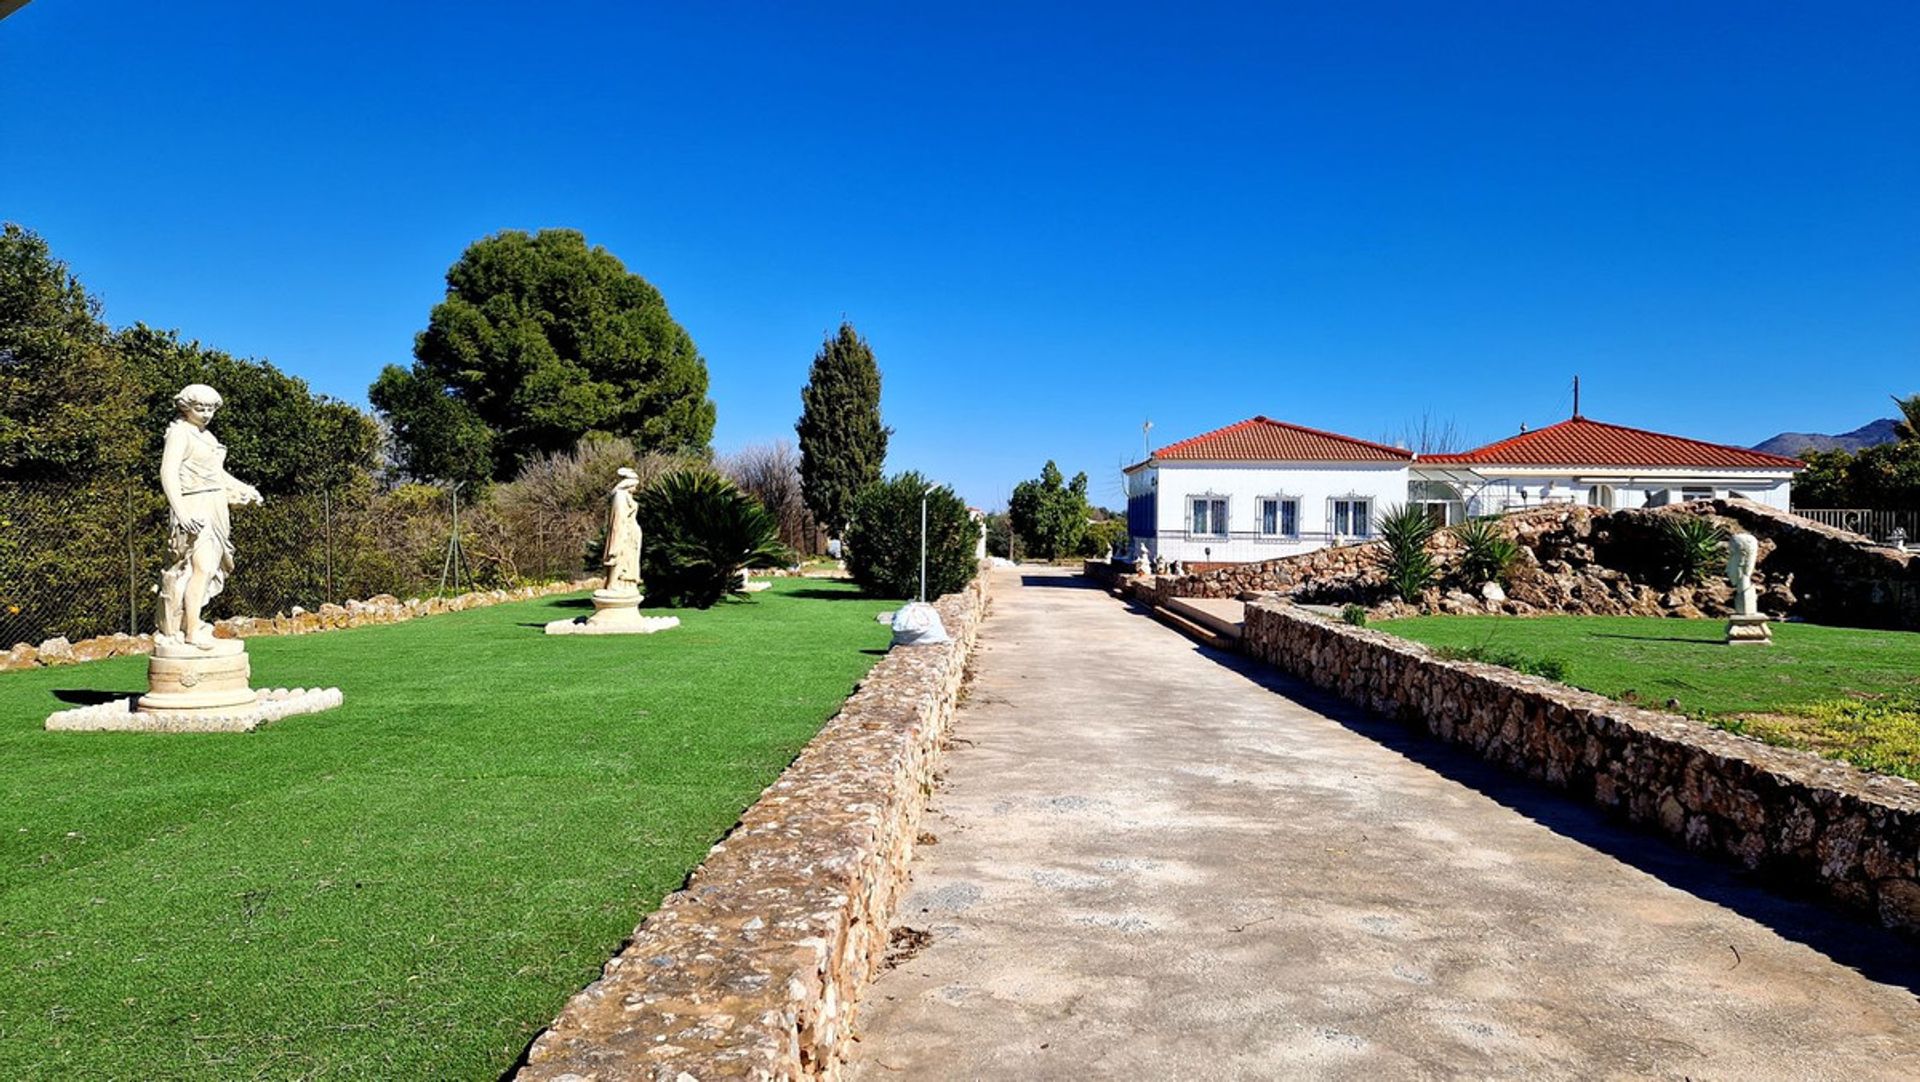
199, 490
622, 555
1742, 553
1746, 624
616, 605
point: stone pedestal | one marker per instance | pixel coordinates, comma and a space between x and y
1751, 630
614, 613
190, 679
191, 689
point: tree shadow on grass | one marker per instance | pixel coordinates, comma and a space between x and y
1793, 913
815, 593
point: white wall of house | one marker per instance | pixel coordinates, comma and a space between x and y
1492, 493
1317, 492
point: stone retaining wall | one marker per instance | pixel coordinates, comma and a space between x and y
755, 968
1798, 818
381, 609
1610, 563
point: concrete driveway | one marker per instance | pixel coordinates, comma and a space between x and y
1155, 861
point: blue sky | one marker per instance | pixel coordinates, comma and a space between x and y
1052, 222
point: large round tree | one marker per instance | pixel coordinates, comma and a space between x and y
541, 340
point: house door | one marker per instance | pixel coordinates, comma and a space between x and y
1600, 496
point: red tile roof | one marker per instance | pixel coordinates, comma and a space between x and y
1581, 442
1263, 439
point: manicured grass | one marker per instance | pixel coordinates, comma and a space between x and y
409, 886
1847, 693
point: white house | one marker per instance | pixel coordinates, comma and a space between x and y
1262, 488
1601, 465
1258, 490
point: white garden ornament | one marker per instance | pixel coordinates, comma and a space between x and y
616, 605
196, 682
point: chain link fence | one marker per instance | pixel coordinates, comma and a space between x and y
84, 560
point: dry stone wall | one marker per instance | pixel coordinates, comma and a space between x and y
381, 609
755, 969
1791, 815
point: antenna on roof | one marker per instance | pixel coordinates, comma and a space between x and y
1576, 398
1146, 440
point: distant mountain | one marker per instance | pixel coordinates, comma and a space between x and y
1868, 435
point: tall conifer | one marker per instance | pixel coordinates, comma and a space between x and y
842, 442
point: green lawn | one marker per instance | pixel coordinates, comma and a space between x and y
1847, 693
406, 887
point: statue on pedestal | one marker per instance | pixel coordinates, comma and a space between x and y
196, 682
616, 605
1747, 624
199, 490
622, 555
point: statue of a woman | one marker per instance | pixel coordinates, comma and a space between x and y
199, 489
622, 556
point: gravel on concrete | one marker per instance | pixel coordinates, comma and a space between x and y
1153, 860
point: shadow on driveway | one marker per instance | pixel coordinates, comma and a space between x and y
1850, 940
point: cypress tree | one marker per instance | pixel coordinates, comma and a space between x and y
842, 442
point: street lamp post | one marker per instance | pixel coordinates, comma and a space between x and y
923, 541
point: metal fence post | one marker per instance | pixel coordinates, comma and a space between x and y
133, 571
326, 534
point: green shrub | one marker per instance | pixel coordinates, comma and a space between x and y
1696, 548
1550, 668
1106, 534
700, 532
1486, 553
1355, 615
883, 539
1410, 569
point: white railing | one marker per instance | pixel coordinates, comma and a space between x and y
1874, 524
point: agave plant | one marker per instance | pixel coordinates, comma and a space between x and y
1695, 548
1410, 569
1485, 552
701, 532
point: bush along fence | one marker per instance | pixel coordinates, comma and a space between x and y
380, 609
755, 968
1790, 815
80, 561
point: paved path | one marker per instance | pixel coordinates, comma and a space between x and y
1158, 862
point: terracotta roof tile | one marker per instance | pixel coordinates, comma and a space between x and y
1581, 442
1262, 439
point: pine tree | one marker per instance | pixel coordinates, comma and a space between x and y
542, 339
842, 442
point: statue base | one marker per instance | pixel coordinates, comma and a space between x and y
184, 678
1750, 630
196, 689
614, 613
122, 716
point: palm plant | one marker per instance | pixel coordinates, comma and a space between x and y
1695, 548
701, 532
1410, 568
1908, 426
1485, 552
